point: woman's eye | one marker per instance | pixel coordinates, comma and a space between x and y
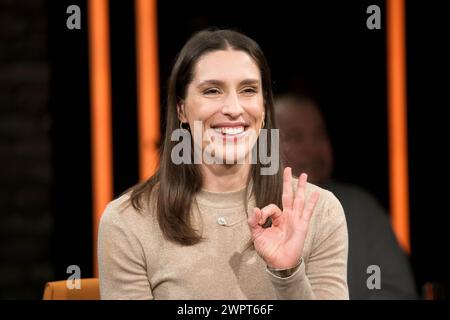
249, 90
211, 91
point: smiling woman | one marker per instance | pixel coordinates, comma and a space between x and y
222, 230
225, 95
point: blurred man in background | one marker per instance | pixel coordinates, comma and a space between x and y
306, 147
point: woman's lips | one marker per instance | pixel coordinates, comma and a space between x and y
230, 130
230, 134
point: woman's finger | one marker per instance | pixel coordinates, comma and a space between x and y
309, 209
270, 211
299, 201
287, 196
253, 219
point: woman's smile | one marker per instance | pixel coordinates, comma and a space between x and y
230, 131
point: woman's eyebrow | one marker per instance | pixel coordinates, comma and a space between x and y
212, 82
250, 82
216, 82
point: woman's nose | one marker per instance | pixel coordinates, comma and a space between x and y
232, 105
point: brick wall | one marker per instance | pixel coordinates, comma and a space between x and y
25, 150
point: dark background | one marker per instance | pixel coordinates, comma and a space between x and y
325, 44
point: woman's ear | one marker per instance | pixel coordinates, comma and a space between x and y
181, 112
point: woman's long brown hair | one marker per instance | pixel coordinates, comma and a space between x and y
174, 187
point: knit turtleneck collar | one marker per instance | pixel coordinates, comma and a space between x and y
223, 200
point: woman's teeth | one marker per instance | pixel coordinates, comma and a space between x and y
229, 130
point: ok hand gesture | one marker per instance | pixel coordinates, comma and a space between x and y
281, 245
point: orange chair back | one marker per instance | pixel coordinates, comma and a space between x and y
58, 290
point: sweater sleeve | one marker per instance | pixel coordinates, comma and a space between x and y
121, 260
323, 274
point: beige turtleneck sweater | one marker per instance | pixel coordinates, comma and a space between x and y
136, 262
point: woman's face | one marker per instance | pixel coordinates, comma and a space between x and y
225, 95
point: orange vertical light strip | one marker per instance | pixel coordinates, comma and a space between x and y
148, 86
398, 137
100, 92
